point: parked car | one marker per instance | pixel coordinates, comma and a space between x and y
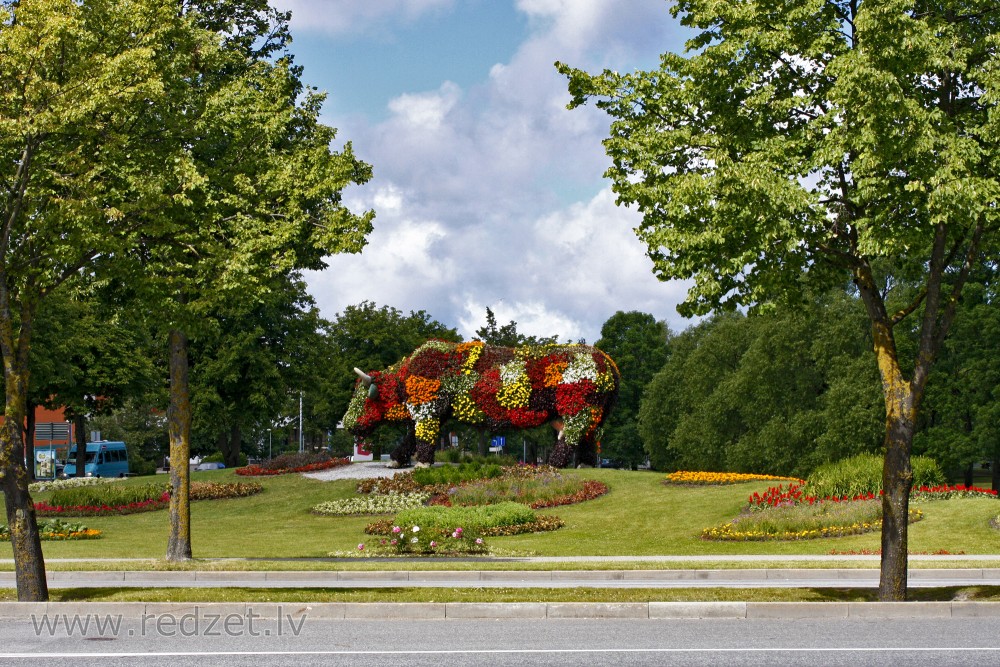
611, 463
210, 466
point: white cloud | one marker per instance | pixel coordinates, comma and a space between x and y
354, 16
492, 195
426, 111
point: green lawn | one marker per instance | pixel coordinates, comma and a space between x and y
640, 516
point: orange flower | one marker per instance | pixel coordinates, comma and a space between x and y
554, 373
421, 390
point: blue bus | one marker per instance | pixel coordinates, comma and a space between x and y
104, 459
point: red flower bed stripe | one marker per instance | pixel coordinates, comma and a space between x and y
42, 508
258, 471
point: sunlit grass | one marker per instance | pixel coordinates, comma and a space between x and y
640, 516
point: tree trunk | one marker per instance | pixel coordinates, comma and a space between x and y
79, 429
179, 428
897, 480
29, 442
231, 454
29, 563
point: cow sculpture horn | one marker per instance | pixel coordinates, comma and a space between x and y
367, 379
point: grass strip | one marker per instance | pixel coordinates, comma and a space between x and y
315, 595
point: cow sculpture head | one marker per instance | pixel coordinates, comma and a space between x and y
499, 388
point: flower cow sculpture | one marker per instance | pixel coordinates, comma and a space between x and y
497, 388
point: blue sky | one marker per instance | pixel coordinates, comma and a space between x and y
487, 190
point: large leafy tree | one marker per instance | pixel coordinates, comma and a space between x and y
258, 353
263, 200
803, 141
638, 344
88, 359
81, 159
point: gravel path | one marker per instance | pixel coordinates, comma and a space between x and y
361, 470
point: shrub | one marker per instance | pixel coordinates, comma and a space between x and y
217, 457
452, 475
862, 474
374, 504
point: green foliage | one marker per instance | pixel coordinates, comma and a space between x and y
640, 347
106, 494
862, 474
368, 337
452, 475
472, 519
780, 391
217, 457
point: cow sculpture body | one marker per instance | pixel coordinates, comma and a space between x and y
498, 388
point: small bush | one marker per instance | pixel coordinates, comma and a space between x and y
862, 474
452, 475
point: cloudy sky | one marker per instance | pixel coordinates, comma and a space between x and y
487, 190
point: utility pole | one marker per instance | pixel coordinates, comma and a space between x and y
301, 438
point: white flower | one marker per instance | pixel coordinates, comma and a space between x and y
416, 529
414, 540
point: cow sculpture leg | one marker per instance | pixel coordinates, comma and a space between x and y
587, 452
404, 450
561, 454
425, 454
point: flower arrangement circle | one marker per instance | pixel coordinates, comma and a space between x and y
571, 386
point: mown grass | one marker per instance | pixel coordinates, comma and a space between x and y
640, 516
314, 595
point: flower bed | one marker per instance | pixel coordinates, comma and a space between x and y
43, 508
803, 523
372, 504
945, 492
534, 486
69, 483
54, 529
223, 490
777, 496
148, 498
713, 478
284, 465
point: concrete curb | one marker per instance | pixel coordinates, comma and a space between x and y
150, 612
744, 578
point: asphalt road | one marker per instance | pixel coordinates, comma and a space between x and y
621, 643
